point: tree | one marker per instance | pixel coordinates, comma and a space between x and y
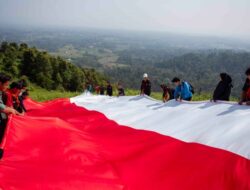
41, 68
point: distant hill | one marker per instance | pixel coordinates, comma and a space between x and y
199, 68
124, 56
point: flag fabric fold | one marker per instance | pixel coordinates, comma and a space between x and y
97, 142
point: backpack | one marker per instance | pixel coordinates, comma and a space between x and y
191, 88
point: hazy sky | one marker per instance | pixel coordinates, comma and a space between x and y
212, 17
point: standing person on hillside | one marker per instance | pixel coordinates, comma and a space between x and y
245, 96
183, 90
223, 89
102, 90
109, 89
89, 88
12, 96
97, 89
121, 91
145, 85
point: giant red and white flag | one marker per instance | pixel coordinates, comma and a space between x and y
135, 143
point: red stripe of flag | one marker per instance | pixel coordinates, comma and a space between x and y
61, 146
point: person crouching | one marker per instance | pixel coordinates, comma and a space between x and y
183, 90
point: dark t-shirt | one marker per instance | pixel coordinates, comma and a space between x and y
222, 91
109, 90
102, 90
146, 87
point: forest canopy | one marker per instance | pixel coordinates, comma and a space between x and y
44, 70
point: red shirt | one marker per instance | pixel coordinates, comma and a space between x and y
246, 89
9, 99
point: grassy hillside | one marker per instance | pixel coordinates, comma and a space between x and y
40, 94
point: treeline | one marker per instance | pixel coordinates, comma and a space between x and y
44, 70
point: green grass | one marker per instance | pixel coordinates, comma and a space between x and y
40, 94
155, 95
158, 95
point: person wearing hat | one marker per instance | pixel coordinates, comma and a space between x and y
145, 85
109, 89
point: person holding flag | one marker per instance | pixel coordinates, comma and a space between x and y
145, 85
183, 90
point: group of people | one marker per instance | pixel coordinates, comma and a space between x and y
108, 90
184, 90
11, 99
12, 95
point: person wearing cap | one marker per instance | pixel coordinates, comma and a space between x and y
145, 85
183, 90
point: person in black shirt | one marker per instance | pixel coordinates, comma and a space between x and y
245, 96
109, 89
223, 89
145, 85
102, 90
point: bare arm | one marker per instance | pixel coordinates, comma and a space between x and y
9, 110
166, 97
